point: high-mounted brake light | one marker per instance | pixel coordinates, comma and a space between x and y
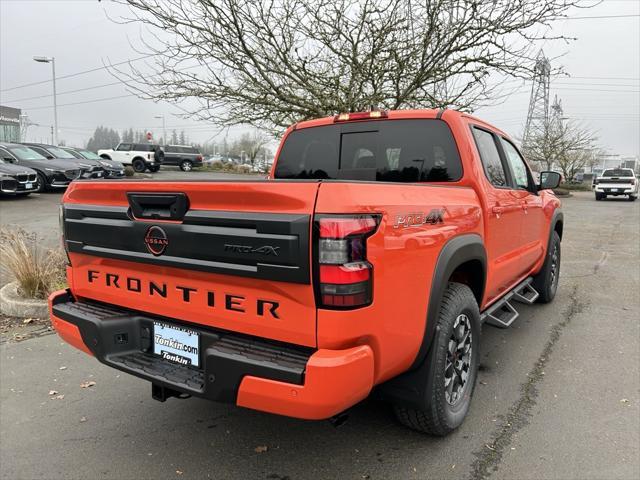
349, 117
345, 275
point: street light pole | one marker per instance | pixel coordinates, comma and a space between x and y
164, 130
52, 61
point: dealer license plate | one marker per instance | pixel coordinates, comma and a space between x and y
29, 186
176, 344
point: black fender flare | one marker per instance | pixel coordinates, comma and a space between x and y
455, 252
557, 216
407, 388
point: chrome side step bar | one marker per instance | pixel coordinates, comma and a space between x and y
502, 313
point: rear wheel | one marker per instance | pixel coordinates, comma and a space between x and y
186, 165
452, 366
546, 282
138, 165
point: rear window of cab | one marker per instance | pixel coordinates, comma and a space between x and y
382, 150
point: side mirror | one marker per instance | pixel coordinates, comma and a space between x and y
549, 180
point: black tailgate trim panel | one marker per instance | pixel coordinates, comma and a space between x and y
269, 246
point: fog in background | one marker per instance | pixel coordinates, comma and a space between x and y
603, 91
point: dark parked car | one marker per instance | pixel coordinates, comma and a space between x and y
89, 168
112, 169
17, 179
51, 173
184, 156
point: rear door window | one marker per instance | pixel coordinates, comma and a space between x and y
493, 167
143, 147
383, 150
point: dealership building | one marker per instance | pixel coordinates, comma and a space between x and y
9, 124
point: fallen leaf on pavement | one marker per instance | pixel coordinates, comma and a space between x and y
62, 368
53, 392
83, 419
88, 384
490, 447
261, 448
27, 320
59, 397
179, 472
624, 400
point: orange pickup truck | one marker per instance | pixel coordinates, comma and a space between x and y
366, 262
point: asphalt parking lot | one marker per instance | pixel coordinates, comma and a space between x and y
558, 395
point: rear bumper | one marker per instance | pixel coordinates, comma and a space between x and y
617, 189
251, 372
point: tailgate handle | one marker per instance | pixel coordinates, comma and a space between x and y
158, 206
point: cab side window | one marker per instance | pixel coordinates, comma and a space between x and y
490, 157
517, 165
124, 147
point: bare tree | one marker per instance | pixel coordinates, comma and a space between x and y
274, 62
564, 145
252, 144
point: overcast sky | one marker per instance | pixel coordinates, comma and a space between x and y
603, 91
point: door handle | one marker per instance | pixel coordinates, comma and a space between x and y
497, 210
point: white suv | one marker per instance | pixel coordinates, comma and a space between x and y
617, 181
141, 156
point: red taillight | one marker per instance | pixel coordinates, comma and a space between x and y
349, 117
199, 158
345, 275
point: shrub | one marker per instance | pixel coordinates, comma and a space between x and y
244, 168
37, 270
129, 171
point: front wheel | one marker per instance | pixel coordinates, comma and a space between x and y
186, 166
546, 281
42, 183
599, 196
632, 198
452, 365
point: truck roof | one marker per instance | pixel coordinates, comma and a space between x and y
404, 114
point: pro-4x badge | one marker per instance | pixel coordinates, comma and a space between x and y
434, 217
264, 250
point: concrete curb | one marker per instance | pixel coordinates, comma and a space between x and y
14, 305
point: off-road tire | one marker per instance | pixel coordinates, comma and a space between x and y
42, 183
186, 165
599, 196
138, 165
438, 417
546, 281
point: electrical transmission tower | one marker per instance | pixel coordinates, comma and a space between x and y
538, 115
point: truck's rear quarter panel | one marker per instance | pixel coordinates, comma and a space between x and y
403, 259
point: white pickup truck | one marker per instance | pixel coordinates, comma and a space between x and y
617, 181
141, 156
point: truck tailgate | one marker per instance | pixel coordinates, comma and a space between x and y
237, 258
